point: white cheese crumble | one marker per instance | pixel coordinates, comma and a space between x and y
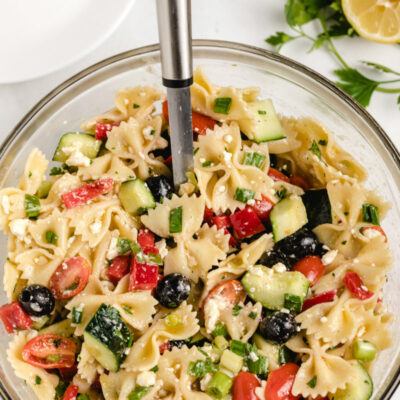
28, 271
205, 381
227, 156
18, 227
251, 202
279, 267
228, 138
162, 248
113, 249
146, 378
323, 320
253, 356
147, 132
202, 160
212, 310
5, 202
328, 257
369, 232
221, 189
96, 226
260, 391
78, 159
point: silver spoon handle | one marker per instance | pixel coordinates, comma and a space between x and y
174, 28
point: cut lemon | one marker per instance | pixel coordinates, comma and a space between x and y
376, 20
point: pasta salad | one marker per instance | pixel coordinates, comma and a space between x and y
261, 277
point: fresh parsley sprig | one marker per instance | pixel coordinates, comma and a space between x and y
333, 25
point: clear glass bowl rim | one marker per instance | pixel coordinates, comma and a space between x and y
218, 44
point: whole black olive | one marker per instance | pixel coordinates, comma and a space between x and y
37, 300
172, 290
272, 257
160, 186
177, 343
300, 244
278, 327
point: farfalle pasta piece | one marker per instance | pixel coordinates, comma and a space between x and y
145, 352
173, 373
220, 170
136, 308
137, 102
10, 279
329, 371
135, 139
11, 206
88, 367
27, 372
34, 172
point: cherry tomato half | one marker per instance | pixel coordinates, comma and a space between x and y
232, 291
71, 393
355, 285
244, 387
280, 382
311, 267
49, 351
276, 175
298, 180
373, 228
70, 278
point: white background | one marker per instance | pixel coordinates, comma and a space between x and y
246, 21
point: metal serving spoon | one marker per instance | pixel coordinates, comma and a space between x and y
174, 29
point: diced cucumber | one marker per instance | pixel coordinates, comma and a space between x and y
359, 388
62, 328
231, 362
267, 126
269, 350
40, 322
288, 216
83, 142
364, 350
44, 189
318, 207
107, 337
270, 287
136, 197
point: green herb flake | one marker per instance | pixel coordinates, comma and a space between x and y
196, 150
139, 392
51, 237
313, 382
292, 302
155, 369
60, 389
322, 142
219, 330
253, 315
30, 174
315, 149
38, 380
344, 242
175, 220
257, 367
56, 171
222, 105
236, 310
244, 195
262, 112
124, 246
127, 309
281, 193
206, 164
32, 206
77, 315
135, 105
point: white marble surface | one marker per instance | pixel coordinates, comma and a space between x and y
249, 22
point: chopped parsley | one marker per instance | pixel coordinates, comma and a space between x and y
262, 112
236, 310
315, 149
51, 237
135, 105
253, 315
38, 380
313, 382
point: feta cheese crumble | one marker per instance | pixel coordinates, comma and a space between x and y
146, 378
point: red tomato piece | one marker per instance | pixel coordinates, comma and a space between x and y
200, 122
14, 317
311, 267
168, 161
102, 129
244, 387
142, 276
232, 291
164, 347
49, 351
321, 298
118, 269
70, 278
246, 223
299, 180
221, 221
67, 374
71, 393
374, 228
276, 175
208, 214
90, 191
280, 382
355, 285
145, 238
263, 208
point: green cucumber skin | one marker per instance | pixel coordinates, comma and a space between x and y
136, 196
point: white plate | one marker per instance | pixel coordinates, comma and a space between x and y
40, 36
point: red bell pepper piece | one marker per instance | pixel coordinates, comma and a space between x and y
208, 215
311, 267
374, 228
355, 285
90, 191
221, 221
246, 223
102, 129
298, 180
168, 161
164, 347
146, 238
200, 122
67, 374
263, 207
321, 298
142, 276
276, 175
71, 393
118, 269
14, 317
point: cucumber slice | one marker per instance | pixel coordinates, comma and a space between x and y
267, 126
270, 287
359, 388
107, 337
40, 322
136, 197
62, 328
269, 350
83, 142
287, 217
318, 207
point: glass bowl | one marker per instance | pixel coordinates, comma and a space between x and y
296, 90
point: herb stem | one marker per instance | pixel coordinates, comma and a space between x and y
384, 90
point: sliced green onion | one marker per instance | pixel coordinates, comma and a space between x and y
60, 389
222, 105
315, 149
364, 350
231, 361
154, 258
259, 366
53, 358
139, 392
219, 385
206, 164
51, 237
221, 342
56, 171
254, 159
77, 315
262, 112
313, 382
172, 320
285, 355
219, 330
244, 195
236, 310
83, 396
196, 150
127, 309
370, 214
175, 220
124, 245
239, 348
292, 302
32, 206
155, 369
44, 189
200, 368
